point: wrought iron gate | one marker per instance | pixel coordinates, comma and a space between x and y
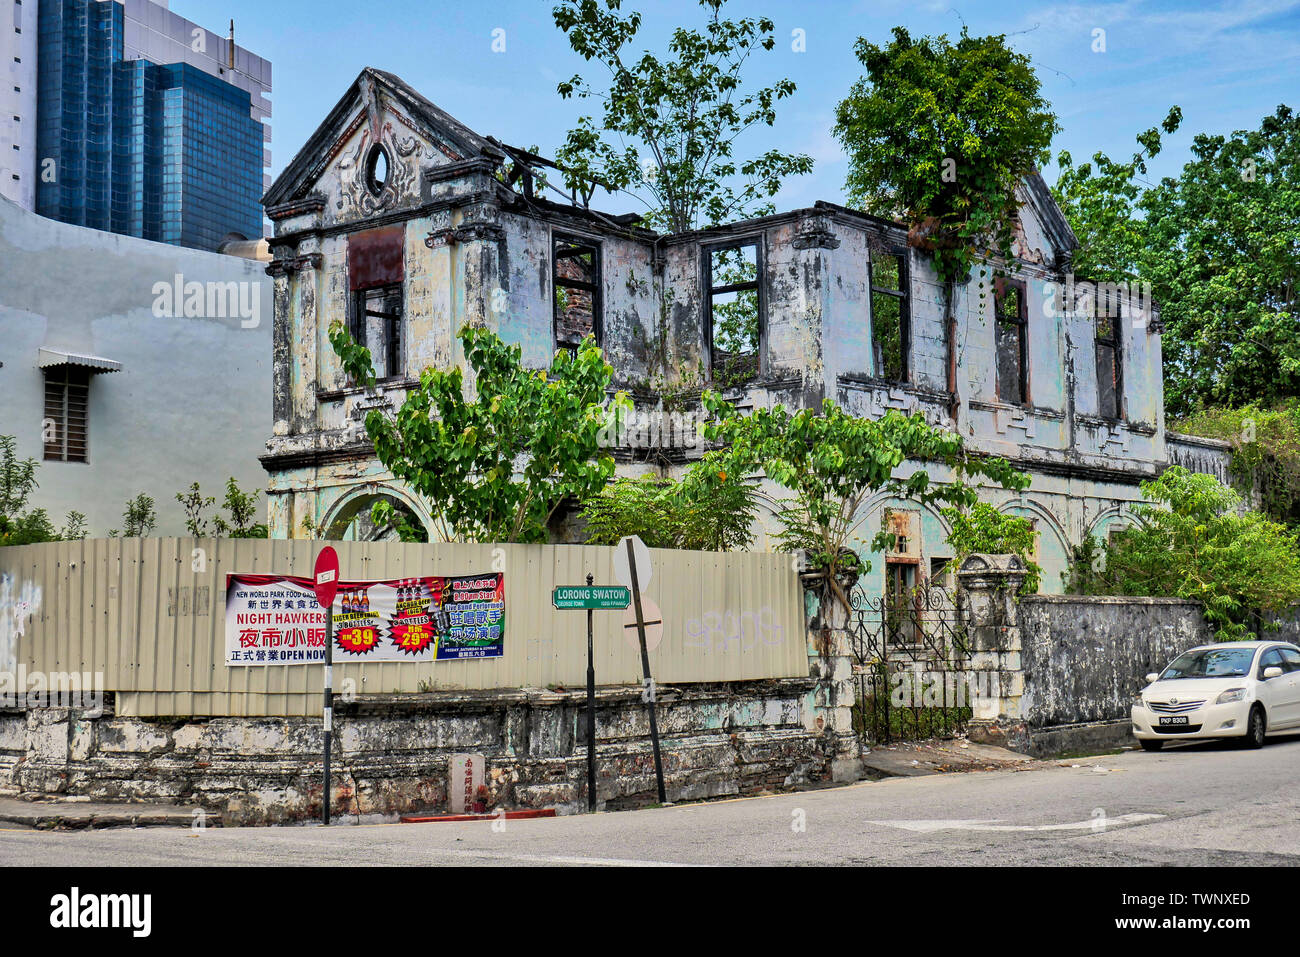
909, 655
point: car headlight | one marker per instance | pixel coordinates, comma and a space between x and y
1138, 702
1231, 695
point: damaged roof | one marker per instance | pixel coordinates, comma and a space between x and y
296, 181
303, 170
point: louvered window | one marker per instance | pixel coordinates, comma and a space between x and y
64, 430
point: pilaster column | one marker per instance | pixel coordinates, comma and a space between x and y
989, 616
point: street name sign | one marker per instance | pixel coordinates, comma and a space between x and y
598, 597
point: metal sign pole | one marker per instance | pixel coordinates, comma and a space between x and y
329, 706
645, 669
591, 713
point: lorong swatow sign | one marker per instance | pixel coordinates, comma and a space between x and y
276, 620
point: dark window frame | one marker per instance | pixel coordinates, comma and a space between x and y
1021, 322
904, 294
581, 245
757, 284
63, 376
394, 366
1103, 311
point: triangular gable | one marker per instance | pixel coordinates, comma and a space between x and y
449, 136
1043, 224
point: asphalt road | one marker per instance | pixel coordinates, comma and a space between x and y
1208, 804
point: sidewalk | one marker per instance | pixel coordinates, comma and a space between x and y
913, 758
65, 815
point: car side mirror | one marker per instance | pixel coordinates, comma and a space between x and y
1272, 671
1152, 677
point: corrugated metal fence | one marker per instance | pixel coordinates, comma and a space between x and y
149, 614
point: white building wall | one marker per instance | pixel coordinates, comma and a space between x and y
18, 168
192, 401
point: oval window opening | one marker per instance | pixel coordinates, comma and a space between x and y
377, 169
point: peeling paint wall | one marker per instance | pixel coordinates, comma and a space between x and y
1084, 657
479, 251
392, 753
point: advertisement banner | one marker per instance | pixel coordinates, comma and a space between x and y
275, 619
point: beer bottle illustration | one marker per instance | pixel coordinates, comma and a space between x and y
365, 603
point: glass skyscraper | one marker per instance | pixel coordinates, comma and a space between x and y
166, 152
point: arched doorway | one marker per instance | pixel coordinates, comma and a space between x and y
350, 519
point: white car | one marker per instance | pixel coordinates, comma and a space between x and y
1239, 689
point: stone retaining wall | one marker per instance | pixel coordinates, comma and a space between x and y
392, 752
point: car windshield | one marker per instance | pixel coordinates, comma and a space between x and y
1210, 663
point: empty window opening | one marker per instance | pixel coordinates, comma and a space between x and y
889, 316
941, 573
734, 313
67, 395
901, 602
1109, 384
377, 169
377, 325
576, 277
1010, 320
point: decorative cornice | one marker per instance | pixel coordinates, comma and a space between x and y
814, 232
292, 264
315, 203
466, 232
438, 174
309, 458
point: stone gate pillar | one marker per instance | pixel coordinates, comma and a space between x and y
989, 616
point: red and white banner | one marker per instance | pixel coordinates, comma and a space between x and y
276, 620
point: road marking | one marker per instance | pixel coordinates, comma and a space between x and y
994, 824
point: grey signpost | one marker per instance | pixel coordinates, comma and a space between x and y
590, 598
632, 541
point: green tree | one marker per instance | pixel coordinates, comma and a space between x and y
18, 525
1220, 246
833, 462
139, 517
1265, 451
242, 509
941, 134
1100, 199
194, 502
689, 514
1192, 542
670, 124
496, 467
982, 529
1223, 256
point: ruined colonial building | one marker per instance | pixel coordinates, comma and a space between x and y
402, 223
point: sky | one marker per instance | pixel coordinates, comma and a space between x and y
1227, 65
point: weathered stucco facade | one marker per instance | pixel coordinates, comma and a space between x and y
398, 220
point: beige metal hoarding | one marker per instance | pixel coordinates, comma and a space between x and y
149, 614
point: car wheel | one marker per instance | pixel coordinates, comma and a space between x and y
1151, 745
1256, 727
